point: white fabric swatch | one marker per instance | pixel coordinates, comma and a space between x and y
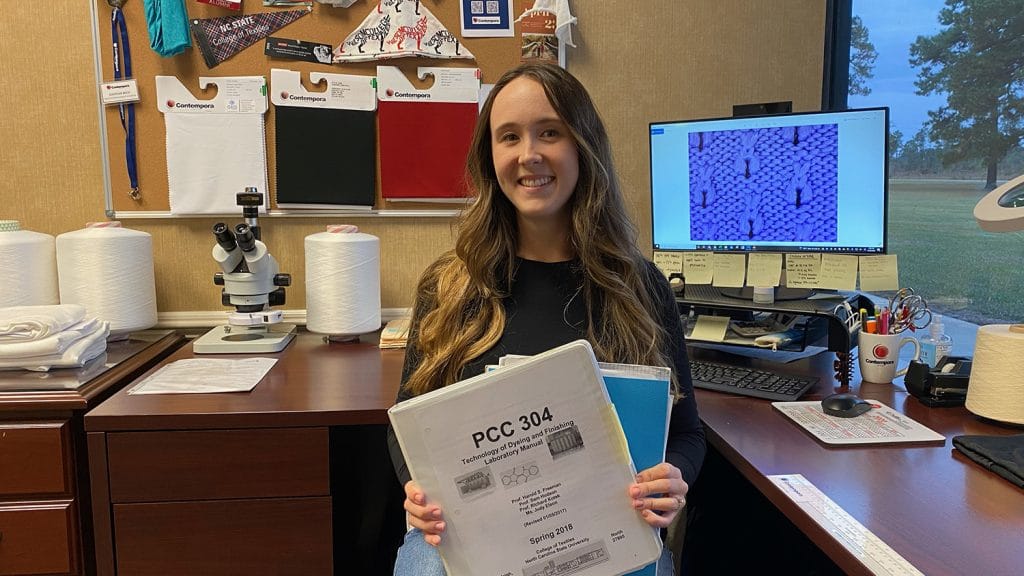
28, 323
77, 353
212, 157
54, 343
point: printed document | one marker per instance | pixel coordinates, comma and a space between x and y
205, 375
530, 466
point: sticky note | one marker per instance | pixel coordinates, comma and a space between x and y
729, 270
698, 267
710, 328
879, 273
802, 270
838, 272
763, 269
668, 262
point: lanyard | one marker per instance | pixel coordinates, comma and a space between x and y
119, 36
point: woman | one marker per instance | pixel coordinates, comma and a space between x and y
545, 255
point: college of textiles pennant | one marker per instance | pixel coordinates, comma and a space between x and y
222, 38
397, 29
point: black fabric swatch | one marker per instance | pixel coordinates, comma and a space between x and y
1003, 455
325, 156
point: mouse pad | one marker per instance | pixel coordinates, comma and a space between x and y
880, 425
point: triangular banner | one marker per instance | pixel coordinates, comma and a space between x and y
222, 38
396, 31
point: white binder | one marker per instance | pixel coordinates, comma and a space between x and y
530, 466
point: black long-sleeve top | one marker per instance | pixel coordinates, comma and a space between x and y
545, 309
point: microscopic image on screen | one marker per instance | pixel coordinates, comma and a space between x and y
767, 184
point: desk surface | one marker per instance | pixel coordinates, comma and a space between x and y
313, 384
940, 511
943, 513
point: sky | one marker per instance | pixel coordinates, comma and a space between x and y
892, 28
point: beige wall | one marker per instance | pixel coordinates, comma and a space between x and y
666, 60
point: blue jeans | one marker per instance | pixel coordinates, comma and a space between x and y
417, 558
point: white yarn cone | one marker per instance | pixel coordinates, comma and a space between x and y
342, 282
109, 270
28, 267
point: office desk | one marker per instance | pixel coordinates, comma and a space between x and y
44, 481
293, 477
940, 511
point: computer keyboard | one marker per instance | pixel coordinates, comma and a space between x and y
747, 381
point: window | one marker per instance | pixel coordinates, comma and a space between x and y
952, 74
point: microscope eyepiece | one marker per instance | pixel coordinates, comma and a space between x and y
224, 236
244, 237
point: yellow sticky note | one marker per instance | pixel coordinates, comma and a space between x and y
763, 269
668, 262
802, 270
879, 273
729, 270
710, 328
698, 267
838, 272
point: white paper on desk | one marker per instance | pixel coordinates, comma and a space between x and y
205, 376
531, 467
880, 425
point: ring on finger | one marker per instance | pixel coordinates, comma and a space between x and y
680, 502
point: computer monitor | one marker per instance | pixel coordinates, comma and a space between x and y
795, 182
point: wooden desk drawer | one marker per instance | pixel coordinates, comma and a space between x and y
35, 538
225, 537
218, 464
32, 458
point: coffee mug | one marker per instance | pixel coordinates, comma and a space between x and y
879, 354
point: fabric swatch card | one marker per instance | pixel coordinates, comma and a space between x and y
215, 148
326, 141
425, 134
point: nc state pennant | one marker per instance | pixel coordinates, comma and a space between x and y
222, 38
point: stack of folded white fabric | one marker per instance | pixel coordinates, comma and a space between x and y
44, 337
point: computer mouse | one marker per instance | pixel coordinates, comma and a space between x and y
845, 405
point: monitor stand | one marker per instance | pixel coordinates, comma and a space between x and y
782, 293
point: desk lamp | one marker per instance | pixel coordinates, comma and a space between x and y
994, 390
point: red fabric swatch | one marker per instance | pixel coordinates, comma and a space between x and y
423, 148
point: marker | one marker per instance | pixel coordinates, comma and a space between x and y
883, 322
870, 325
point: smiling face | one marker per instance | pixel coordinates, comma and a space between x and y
535, 156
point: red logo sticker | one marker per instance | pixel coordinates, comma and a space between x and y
880, 351
284, 95
170, 103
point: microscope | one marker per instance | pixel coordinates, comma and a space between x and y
252, 284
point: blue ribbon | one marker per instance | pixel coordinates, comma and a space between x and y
119, 36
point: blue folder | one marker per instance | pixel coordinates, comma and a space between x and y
643, 407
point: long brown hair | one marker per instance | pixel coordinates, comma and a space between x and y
461, 293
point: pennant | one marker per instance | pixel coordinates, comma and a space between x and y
395, 30
222, 38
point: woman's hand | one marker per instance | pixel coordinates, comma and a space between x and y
659, 493
426, 517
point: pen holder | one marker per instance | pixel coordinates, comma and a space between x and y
879, 354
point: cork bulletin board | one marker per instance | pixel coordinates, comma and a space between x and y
324, 24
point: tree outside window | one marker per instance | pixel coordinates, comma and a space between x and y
952, 74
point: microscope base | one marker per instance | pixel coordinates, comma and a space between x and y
245, 339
